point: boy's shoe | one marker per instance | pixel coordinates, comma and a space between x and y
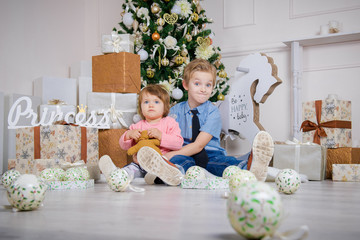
262, 153
106, 166
152, 162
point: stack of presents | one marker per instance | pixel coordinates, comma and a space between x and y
107, 85
325, 151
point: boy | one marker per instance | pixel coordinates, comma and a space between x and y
203, 148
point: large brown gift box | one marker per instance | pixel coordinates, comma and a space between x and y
116, 72
345, 155
109, 145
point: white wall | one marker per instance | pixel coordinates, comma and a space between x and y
44, 37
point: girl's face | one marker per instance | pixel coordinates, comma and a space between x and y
152, 108
199, 88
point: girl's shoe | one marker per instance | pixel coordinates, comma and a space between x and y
152, 162
106, 166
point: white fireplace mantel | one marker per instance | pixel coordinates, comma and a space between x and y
296, 68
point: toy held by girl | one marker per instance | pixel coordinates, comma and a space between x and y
155, 132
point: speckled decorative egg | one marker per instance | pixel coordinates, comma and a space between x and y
26, 192
239, 178
255, 210
9, 176
119, 180
230, 171
77, 174
52, 174
288, 181
195, 172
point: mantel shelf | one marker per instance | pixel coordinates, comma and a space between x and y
326, 39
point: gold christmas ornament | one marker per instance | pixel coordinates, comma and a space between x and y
144, 28
221, 97
222, 73
202, 41
217, 63
195, 17
188, 37
184, 52
150, 73
165, 62
160, 21
179, 60
155, 8
170, 18
155, 36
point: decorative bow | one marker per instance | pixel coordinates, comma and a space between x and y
116, 42
66, 165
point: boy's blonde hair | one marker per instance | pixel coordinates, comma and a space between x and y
160, 92
199, 65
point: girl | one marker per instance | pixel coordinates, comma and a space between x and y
153, 107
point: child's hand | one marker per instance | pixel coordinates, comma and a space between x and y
154, 133
133, 134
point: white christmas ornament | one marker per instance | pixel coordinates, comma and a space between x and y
239, 178
77, 174
9, 176
195, 172
119, 180
52, 174
255, 210
177, 93
143, 55
128, 19
26, 192
288, 181
176, 9
230, 171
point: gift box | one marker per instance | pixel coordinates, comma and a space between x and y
81, 69
70, 185
85, 87
308, 159
57, 108
116, 43
346, 155
60, 142
49, 88
206, 184
24, 166
346, 172
109, 145
327, 123
116, 72
121, 107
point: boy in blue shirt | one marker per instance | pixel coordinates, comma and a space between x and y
204, 150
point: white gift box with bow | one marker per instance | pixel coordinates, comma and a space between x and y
121, 107
116, 43
305, 158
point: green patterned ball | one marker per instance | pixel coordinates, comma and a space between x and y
52, 174
243, 176
9, 176
230, 171
288, 181
76, 174
255, 210
195, 172
119, 180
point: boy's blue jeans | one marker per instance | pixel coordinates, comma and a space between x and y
218, 161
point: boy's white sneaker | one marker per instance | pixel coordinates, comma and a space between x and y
150, 178
106, 166
263, 150
152, 162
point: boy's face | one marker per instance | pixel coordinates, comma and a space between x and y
199, 88
152, 107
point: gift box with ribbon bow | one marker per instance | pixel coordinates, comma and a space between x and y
117, 43
116, 72
62, 143
346, 172
327, 122
56, 106
120, 107
305, 158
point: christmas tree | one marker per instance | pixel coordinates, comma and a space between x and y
168, 34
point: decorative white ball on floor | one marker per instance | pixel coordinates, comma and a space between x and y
119, 180
26, 192
288, 181
52, 174
255, 210
77, 174
195, 172
230, 171
239, 178
9, 176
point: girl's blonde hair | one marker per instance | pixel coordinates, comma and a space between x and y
160, 92
199, 65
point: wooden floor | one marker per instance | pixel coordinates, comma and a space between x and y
331, 210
